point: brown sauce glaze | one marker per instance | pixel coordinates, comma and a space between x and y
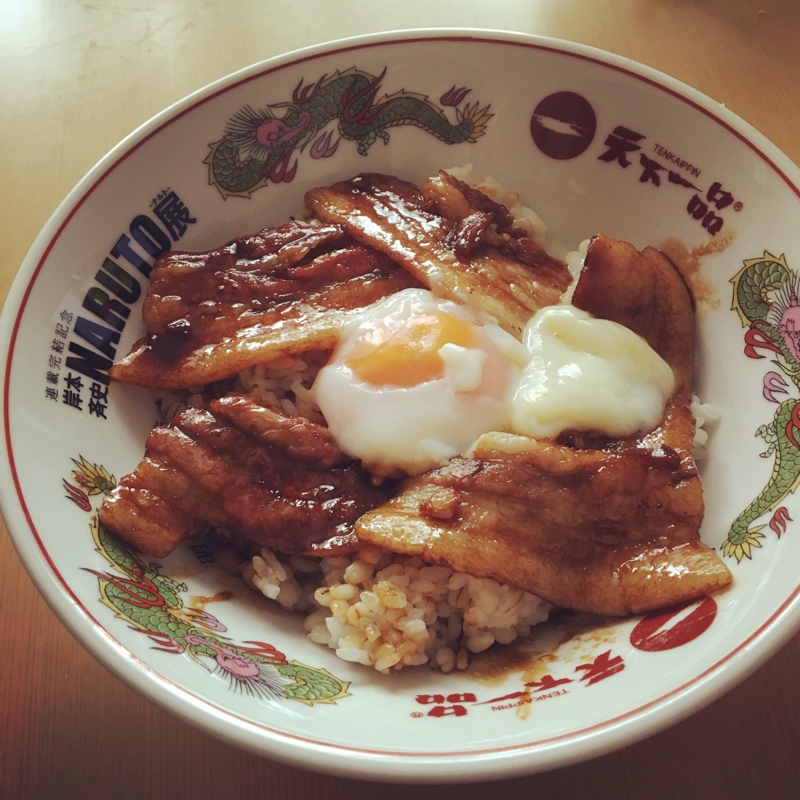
277, 481
283, 291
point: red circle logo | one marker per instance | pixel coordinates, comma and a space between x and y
654, 633
563, 125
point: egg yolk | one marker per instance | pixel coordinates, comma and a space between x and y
407, 355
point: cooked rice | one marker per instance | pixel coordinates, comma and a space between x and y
283, 386
575, 260
703, 413
389, 611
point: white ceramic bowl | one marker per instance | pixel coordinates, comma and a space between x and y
627, 152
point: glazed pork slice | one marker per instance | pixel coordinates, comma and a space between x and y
609, 527
283, 291
452, 238
278, 481
646, 293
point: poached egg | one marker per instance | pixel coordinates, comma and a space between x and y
415, 380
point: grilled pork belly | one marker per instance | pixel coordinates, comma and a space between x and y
586, 522
646, 293
454, 239
610, 527
277, 481
283, 291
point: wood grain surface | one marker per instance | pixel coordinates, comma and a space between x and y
76, 76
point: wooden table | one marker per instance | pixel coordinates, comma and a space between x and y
77, 77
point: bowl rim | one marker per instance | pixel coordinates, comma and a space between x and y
490, 763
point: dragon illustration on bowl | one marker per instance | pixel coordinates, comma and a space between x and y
258, 145
765, 295
152, 604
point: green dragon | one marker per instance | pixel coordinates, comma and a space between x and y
765, 295
151, 603
257, 145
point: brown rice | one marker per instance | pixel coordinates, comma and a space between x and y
389, 611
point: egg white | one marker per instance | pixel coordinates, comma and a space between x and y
423, 426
